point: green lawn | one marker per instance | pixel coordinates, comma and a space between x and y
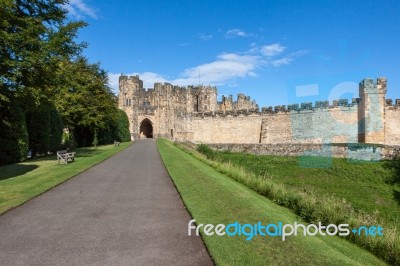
363, 184
22, 181
212, 197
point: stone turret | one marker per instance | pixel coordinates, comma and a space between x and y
371, 111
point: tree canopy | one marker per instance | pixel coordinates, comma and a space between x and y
46, 85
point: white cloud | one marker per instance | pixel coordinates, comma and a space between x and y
78, 9
149, 78
236, 33
288, 58
113, 80
205, 37
226, 69
272, 49
281, 62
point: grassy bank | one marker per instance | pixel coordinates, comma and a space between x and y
326, 208
212, 197
22, 181
363, 184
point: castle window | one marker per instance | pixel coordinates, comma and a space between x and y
196, 105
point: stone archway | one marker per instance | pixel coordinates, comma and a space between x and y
146, 129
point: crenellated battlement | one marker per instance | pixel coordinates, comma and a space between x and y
391, 103
243, 102
340, 104
307, 106
369, 86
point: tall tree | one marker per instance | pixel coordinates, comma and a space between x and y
35, 37
86, 101
13, 131
116, 130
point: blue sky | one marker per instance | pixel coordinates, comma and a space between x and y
265, 49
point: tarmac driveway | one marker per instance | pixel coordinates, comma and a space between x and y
124, 211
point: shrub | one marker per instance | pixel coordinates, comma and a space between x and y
207, 151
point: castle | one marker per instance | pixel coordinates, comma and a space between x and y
193, 113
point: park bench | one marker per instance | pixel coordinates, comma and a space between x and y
116, 143
65, 156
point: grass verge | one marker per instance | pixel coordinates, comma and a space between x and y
366, 185
23, 181
313, 207
212, 197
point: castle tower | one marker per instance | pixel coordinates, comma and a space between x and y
371, 111
204, 99
128, 99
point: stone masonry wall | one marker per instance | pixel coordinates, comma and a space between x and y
354, 151
240, 129
193, 114
392, 125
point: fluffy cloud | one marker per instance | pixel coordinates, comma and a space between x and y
224, 70
236, 33
286, 60
272, 49
78, 9
226, 67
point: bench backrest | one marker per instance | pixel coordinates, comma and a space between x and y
62, 152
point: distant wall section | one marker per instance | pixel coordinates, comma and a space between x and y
240, 129
392, 123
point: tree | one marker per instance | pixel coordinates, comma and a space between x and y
45, 83
116, 130
86, 103
35, 38
56, 130
45, 129
123, 127
13, 132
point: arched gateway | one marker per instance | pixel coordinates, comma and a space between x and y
146, 129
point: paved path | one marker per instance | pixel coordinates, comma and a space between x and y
124, 211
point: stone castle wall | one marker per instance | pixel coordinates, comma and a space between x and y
355, 151
193, 113
392, 123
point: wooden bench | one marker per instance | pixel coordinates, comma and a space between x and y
116, 143
65, 156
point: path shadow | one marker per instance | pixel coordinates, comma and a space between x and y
87, 152
10, 171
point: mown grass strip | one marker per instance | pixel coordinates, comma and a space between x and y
23, 181
214, 198
366, 185
311, 206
